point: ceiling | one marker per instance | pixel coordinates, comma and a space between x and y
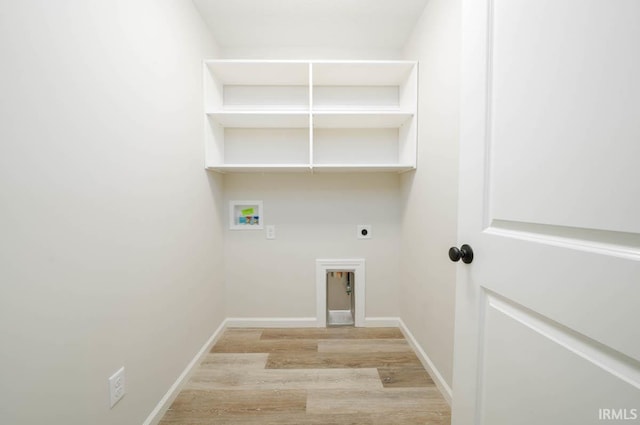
350, 24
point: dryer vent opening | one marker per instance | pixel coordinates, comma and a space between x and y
340, 298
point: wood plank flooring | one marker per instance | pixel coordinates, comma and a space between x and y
310, 376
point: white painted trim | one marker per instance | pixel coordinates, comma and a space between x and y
357, 266
302, 322
165, 402
442, 385
382, 322
271, 322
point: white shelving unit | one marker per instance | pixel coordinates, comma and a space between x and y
302, 116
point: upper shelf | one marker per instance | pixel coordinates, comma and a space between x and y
322, 119
260, 119
325, 73
242, 72
351, 119
361, 73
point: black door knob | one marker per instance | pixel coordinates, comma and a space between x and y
465, 253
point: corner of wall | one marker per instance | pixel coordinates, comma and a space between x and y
429, 195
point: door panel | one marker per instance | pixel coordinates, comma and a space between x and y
564, 108
590, 292
550, 202
561, 377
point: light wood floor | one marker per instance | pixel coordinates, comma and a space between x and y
310, 376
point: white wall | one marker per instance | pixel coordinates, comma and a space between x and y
311, 53
315, 217
429, 195
110, 237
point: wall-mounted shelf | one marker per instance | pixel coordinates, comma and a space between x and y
260, 119
262, 168
358, 119
302, 116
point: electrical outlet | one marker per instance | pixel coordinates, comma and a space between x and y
271, 231
116, 386
364, 231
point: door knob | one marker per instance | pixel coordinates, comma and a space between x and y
465, 253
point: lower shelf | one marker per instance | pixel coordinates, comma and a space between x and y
260, 168
302, 168
364, 168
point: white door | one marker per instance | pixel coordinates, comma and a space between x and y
548, 312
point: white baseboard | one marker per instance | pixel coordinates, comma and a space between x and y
442, 385
302, 322
158, 412
272, 322
382, 322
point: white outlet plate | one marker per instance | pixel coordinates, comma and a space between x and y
116, 387
364, 231
271, 231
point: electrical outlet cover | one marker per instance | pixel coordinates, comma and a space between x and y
271, 231
116, 387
